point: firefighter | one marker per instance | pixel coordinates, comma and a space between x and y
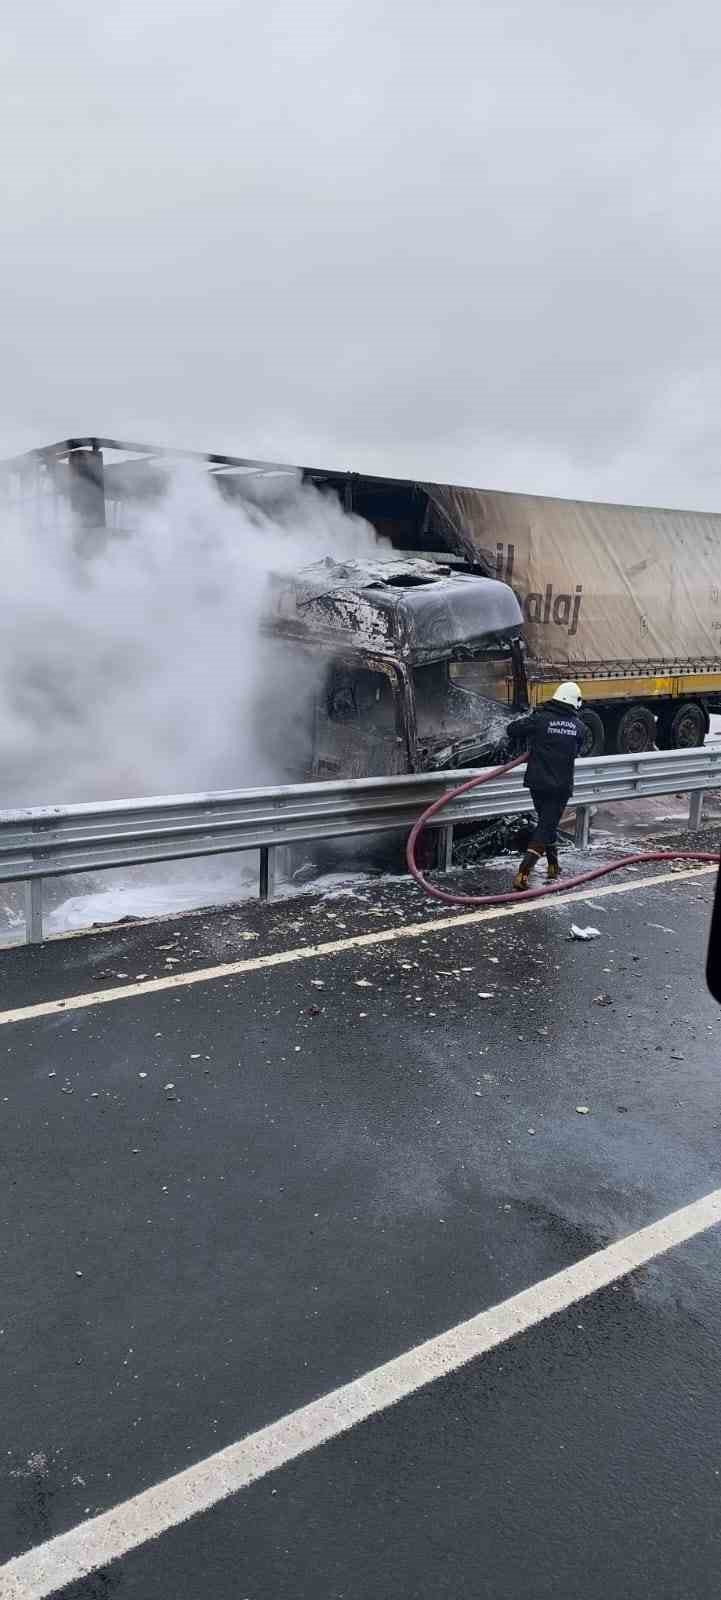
554, 735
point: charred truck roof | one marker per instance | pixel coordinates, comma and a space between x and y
413, 610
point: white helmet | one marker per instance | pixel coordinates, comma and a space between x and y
570, 695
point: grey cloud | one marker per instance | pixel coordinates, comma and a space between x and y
462, 241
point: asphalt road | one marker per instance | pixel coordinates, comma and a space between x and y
358, 1151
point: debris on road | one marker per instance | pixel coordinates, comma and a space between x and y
499, 836
304, 872
584, 934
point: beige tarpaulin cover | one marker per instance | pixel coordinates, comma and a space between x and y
597, 583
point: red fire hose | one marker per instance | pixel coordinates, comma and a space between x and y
561, 884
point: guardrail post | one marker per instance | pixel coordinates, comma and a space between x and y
583, 827
445, 847
695, 808
33, 910
267, 871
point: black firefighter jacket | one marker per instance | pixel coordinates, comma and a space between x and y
554, 736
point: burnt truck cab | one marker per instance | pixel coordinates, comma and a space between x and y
420, 665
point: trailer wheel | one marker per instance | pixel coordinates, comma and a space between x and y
594, 743
688, 726
636, 731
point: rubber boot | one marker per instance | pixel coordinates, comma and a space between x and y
553, 868
523, 874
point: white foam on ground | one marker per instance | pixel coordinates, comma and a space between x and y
191, 887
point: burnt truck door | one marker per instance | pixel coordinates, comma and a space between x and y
363, 724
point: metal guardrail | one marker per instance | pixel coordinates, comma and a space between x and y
51, 841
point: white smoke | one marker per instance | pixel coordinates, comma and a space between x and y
132, 661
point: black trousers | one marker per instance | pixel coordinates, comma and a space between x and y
549, 805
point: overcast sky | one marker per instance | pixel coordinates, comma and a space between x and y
462, 241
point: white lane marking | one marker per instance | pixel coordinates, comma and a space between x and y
63, 1560
333, 947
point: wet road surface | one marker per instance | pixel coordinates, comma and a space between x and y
222, 1201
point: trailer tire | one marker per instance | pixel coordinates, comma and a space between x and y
594, 743
689, 726
636, 731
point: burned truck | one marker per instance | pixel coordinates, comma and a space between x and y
420, 665
624, 599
